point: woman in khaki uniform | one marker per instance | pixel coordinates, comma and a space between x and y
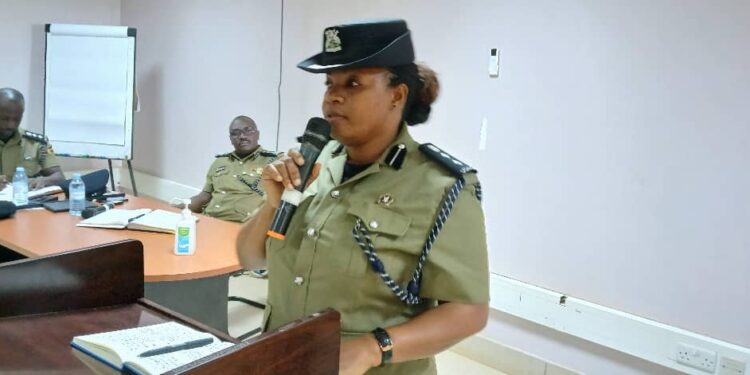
390, 233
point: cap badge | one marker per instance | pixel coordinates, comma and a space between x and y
333, 42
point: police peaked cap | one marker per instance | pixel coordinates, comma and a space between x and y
375, 43
95, 182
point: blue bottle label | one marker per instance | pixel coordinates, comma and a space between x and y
183, 240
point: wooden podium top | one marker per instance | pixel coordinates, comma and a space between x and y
39, 232
46, 301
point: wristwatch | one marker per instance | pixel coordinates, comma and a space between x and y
385, 344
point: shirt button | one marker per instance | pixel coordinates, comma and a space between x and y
335, 194
312, 233
299, 280
223, 192
244, 172
217, 206
242, 162
374, 224
235, 176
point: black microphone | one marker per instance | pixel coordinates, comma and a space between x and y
7, 209
93, 211
317, 134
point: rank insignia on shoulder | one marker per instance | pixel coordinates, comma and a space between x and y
223, 155
220, 169
35, 136
270, 154
455, 166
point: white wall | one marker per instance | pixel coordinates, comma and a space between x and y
22, 49
622, 137
200, 64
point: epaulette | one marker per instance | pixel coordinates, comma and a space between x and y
35, 137
269, 154
455, 166
223, 155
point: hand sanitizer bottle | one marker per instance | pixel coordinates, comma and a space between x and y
184, 239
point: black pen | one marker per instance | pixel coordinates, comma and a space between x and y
137, 217
173, 348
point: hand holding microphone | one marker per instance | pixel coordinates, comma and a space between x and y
294, 178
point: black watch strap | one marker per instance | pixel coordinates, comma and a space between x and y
385, 344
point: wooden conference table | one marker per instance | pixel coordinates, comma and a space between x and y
195, 285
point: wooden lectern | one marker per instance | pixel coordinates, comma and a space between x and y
46, 301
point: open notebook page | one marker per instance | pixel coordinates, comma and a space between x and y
115, 218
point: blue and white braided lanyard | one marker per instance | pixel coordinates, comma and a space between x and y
410, 296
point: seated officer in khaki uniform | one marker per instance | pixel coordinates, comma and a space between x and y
390, 233
20, 148
232, 191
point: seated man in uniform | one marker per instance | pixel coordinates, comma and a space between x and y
233, 189
21, 148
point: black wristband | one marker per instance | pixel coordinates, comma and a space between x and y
385, 344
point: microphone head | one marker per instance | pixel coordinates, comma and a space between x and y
7, 209
317, 132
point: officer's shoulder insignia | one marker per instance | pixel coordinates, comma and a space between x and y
35, 136
270, 154
455, 166
223, 155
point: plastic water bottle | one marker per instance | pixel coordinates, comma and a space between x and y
77, 195
20, 187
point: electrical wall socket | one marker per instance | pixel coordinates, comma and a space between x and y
729, 366
695, 357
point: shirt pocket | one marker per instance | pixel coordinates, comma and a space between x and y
31, 165
386, 228
219, 178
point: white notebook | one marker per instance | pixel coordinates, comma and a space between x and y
123, 349
7, 193
138, 219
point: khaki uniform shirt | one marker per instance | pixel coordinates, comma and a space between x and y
21, 151
234, 185
320, 265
